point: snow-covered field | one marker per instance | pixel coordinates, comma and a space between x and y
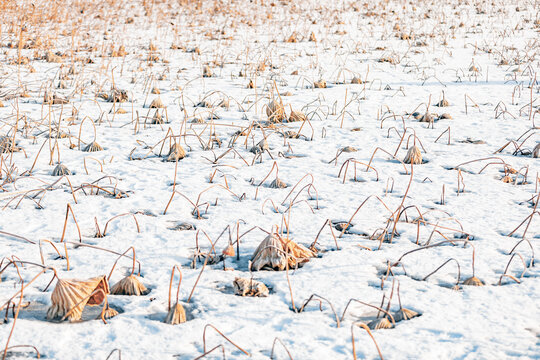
367, 82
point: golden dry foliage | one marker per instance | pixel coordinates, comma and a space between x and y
130, 285
276, 253
69, 297
404, 314
93, 147
176, 152
157, 103
176, 315
60, 170
275, 111
473, 281
414, 156
381, 323
249, 287
297, 116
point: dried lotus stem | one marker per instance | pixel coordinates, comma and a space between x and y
179, 283
55, 249
312, 297
176, 314
197, 280
329, 223
365, 327
129, 285
508, 266
283, 345
373, 306
117, 216
225, 337
68, 210
440, 267
530, 245
16, 315
220, 346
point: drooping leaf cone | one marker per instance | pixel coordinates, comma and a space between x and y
473, 281
277, 184
404, 314
414, 156
249, 287
176, 315
271, 254
93, 147
260, 147
68, 293
157, 103
176, 152
60, 170
297, 116
130, 285
381, 323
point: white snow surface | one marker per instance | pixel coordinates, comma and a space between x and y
500, 320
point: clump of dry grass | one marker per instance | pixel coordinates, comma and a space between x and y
275, 111
413, 156
249, 287
277, 253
